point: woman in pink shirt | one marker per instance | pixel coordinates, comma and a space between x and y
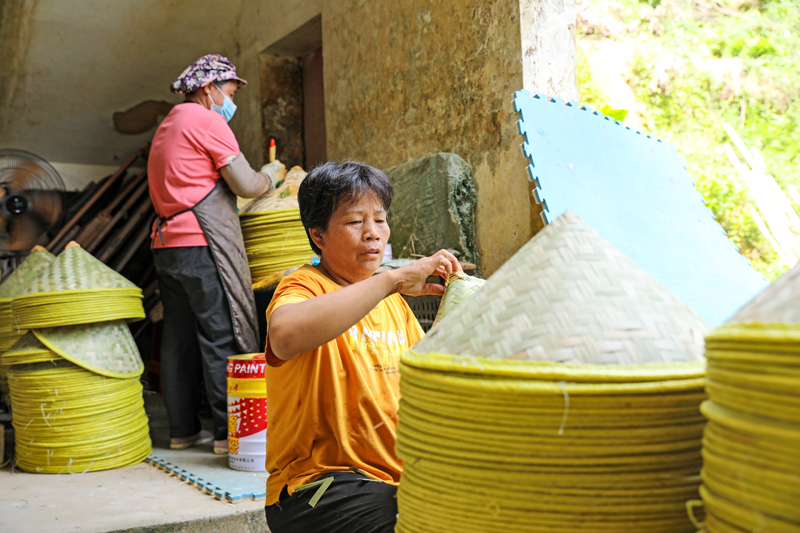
195, 170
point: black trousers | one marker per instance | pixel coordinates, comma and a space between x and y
351, 504
197, 337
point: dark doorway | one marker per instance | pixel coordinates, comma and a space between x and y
314, 137
293, 97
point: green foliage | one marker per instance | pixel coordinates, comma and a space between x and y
616, 114
699, 74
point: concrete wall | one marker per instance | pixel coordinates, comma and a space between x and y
402, 79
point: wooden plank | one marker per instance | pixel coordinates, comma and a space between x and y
115, 242
89, 203
112, 222
133, 246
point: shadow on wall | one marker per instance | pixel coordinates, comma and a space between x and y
141, 118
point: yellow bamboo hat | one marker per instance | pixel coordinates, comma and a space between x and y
274, 237
33, 265
76, 288
562, 395
751, 475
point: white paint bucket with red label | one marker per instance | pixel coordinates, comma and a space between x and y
247, 413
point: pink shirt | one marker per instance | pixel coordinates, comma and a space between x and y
189, 148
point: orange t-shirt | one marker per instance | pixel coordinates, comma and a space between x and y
335, 407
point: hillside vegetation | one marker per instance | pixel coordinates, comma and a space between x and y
689, 68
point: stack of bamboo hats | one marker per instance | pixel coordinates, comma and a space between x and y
75, 394
76, 288
751, 446
13, 285
562, 396
274, 237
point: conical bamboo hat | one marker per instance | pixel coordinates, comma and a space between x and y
106, 348
569, 296
33, 265
74, 289
28, 349
77, 269
779, 303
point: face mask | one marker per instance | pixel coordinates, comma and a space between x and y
227, 109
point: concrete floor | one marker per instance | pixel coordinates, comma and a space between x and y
138, 498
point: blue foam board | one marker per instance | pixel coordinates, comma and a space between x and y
211, 474
634, 191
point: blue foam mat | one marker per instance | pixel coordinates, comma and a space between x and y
634, 191
211, 473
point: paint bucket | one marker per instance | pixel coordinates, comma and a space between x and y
247, 413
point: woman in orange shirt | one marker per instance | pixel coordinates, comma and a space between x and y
335, 335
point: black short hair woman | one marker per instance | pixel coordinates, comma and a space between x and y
335, 334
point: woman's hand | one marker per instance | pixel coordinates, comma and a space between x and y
410, 279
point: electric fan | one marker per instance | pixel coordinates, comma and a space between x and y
31, 200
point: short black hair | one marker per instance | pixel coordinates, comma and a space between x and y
332, 184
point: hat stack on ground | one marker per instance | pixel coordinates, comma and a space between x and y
76, 288
274, 237
75, 394
751, 446
12, 286
562, 396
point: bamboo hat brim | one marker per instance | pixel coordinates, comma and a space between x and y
33, 265
275, 241
105, 348
569, 296
70, 420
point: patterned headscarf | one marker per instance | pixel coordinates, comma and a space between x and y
208, 68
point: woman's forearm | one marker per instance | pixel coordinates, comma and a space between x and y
300, 327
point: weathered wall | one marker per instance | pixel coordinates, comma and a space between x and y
406, 79
434, 77
69, 66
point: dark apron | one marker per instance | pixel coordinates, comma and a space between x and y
219, 220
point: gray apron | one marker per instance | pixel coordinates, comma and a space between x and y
219, 220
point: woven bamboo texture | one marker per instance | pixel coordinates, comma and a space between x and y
751, 471
570, 296
33, 265
70, 420
458, 288
106, 348
74, 289
274, 241
542, 447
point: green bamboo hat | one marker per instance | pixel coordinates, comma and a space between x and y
105, 348
36, 262
33, 265
569, 296
28, 349
76, 288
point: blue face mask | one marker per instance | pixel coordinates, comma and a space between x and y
227, 109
